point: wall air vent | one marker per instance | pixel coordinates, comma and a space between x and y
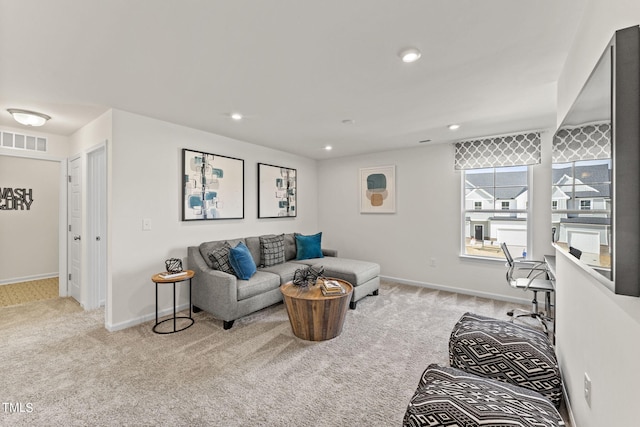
23, 142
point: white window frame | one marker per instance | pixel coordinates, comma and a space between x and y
590, 203
528, 211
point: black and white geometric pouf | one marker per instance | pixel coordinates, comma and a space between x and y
450, 397
507, 352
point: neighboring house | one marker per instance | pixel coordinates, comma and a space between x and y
581, 207
488, 200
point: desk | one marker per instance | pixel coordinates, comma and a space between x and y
157, 278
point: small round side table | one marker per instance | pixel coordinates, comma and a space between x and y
173, 278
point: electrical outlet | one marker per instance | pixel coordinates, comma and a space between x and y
146, 224
432, 263
587, 389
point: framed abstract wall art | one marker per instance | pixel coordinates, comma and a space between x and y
212, 187
277, 191
378, 189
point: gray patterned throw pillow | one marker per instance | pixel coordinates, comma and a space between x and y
220, 259
271, 250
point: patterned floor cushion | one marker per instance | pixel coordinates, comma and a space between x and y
450, 397
508, 352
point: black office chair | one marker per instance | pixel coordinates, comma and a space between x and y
535, 280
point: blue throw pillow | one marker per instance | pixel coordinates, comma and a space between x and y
242, 262
309, 247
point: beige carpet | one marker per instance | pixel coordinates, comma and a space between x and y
61, 362
34, 290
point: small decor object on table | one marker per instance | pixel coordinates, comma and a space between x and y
173, 265
331, 288
307, 276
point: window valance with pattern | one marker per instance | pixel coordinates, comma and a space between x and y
587, 142
510, 150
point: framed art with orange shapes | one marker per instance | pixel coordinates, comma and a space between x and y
378, 189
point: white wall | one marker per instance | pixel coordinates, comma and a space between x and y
145, 182
427, 222
29, 242
598, 332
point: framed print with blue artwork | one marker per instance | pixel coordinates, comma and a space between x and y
212, 186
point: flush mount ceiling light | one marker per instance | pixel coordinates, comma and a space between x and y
454, 127
236, 116
410, 55
328, 147
28, 118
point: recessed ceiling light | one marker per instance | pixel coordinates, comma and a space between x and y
410, 55
236, 116
28, 118
328, 147
454, 127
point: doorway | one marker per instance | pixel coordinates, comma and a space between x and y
87, 228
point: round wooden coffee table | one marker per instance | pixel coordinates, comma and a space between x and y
313, 316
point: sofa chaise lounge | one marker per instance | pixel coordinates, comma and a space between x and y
228, 298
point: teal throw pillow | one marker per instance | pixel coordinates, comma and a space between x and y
309, 247
242, 261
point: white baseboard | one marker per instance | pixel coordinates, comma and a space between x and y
463, 291
145, 318
567, 402
28, 278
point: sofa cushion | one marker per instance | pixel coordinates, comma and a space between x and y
285, 270
309, 247
260, 283
220, 259
353, 271
242, 261
271, 250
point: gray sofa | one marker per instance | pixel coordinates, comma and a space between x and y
228, 298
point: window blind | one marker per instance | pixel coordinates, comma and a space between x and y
587, 142
510, 150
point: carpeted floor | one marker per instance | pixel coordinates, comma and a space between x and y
62, 367
34, 290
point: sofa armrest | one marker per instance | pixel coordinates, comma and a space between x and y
330, 252
213, 291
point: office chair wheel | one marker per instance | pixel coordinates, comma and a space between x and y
510, 313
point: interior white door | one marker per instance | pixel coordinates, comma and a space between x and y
97, 217
74, 236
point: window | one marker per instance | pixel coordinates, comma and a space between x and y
502, 194
581, 192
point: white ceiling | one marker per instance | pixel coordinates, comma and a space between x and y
296, 69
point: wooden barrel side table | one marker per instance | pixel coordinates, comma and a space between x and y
314, 316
